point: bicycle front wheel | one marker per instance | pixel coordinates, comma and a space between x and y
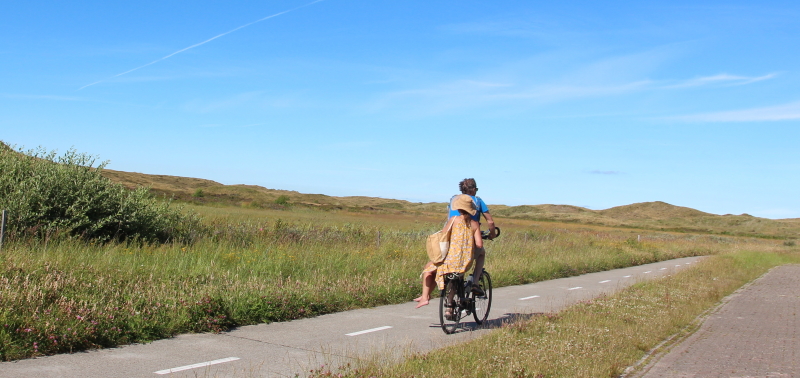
483, 303
449, 310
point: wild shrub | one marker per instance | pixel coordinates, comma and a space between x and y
48, 195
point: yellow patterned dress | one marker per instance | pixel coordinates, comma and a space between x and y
459, 256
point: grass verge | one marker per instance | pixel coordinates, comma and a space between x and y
597, 338
68, 295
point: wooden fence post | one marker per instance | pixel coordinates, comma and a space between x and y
2, 230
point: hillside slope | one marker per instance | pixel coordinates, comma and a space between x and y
646, 215
211, 192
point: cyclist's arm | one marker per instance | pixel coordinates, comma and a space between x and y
490, 222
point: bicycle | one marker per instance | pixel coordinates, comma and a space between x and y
458, 301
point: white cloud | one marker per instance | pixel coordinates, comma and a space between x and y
200, 43
586, 82
460, 94
41, 97
254, 99
724, 79
786, 112
232, 102
18, 96
522, 84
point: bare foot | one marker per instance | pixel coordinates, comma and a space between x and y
423, 302
417, 299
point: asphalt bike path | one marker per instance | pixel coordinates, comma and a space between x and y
285, 349
754, 333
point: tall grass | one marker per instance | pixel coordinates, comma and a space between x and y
71, 295
596, 338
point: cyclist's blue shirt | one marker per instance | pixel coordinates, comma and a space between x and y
479, 205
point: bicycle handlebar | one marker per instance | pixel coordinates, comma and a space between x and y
485, 234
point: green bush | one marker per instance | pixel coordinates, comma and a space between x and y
282, 200
48, 195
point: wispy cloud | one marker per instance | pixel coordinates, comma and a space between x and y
254, 99
537, 27
721, 79
41, 97
521, 84
220, 125
460, 94
465, 93
201, 43
18, 96
349, 145
203, 106
786, 112
601, 172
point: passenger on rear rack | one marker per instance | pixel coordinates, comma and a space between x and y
464, 238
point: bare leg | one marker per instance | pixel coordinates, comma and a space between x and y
423, 275
428, 281
450, 294
480, 257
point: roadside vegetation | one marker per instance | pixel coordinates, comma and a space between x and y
596, 338
68, 295
51, 196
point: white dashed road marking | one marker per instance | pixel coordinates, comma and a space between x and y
531, 297
626, 276
368, 331
195, 366
575, 288
605, 281
649, 271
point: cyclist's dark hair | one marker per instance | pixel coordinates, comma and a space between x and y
466, 184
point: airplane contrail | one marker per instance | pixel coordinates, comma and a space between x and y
202, 43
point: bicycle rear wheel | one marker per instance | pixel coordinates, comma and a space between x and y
482, 303
449, 310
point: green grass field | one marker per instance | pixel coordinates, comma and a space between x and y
259, 255
274, 265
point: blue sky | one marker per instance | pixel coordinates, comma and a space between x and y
594, 104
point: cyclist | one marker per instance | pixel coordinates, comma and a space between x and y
469, 187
